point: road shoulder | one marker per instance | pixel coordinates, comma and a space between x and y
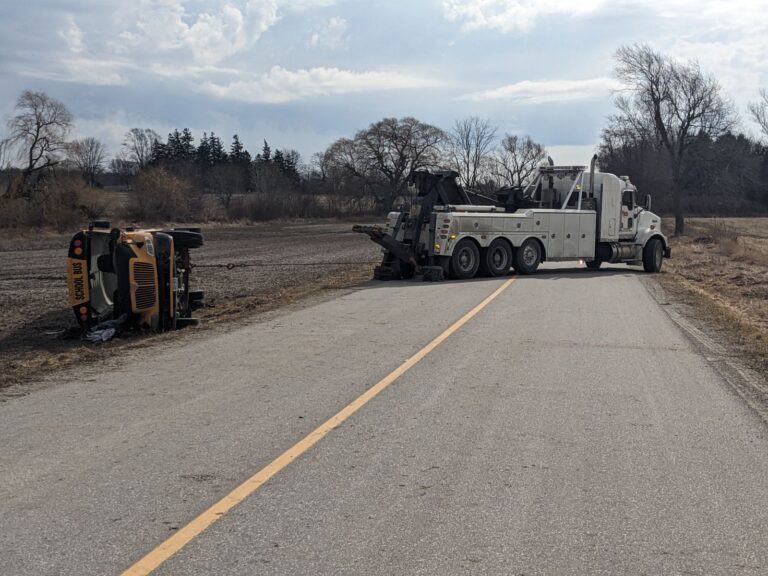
720, 336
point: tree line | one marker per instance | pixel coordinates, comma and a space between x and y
677, 134
674, 132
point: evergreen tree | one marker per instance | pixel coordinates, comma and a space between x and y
174, 146
279, 161
159, 152
186, 146
237, 152
266, 153
204, 152
291, 161
217, 153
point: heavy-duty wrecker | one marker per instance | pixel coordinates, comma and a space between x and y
132, 278
565, 213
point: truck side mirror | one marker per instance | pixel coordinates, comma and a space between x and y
648, 202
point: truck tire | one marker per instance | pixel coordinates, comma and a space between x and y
187, 322
528, 256
465, 260
594, 264
185, 238
496, 260
196, 299
653, 255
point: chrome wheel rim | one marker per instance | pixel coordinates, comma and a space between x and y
465, 259
529, 255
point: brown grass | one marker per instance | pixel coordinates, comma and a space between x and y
721, 267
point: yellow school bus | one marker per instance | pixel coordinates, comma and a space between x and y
132, 278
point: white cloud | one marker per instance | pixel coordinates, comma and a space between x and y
513, 15
541, 91
280, 85
211, 35
214, 37
82, 70
192, 71
330, 35
160, 24
301, 5
73, 36
730, 41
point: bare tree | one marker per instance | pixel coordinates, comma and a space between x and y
343, 171
6, 165
226, 181
138, 143
88, 156
759, 111
344, 159
674, 104
125, 169
392, 148
517, 159
38, 131
380, 158
470, 146
6, 151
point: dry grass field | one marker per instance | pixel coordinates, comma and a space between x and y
722, 265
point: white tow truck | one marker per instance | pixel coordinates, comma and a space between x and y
565, 213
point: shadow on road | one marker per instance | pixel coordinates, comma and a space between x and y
545, 273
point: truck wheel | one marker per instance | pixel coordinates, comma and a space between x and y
653, 255
496, 260
465, 260
528, 256
445, 263
187, 322
185, 238
594, 264
196, 299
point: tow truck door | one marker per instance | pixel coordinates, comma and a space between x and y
628, 226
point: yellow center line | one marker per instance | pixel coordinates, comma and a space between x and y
182, 537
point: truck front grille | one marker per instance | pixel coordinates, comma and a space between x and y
146, 291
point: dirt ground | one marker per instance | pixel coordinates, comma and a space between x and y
721, 266
285, 262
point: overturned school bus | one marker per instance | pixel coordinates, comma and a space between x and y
130, 278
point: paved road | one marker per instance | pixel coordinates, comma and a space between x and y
567, 428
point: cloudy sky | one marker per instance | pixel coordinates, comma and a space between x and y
301, 73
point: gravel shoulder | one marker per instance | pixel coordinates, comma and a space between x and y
715, 288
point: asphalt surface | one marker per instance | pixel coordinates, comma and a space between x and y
568, 428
